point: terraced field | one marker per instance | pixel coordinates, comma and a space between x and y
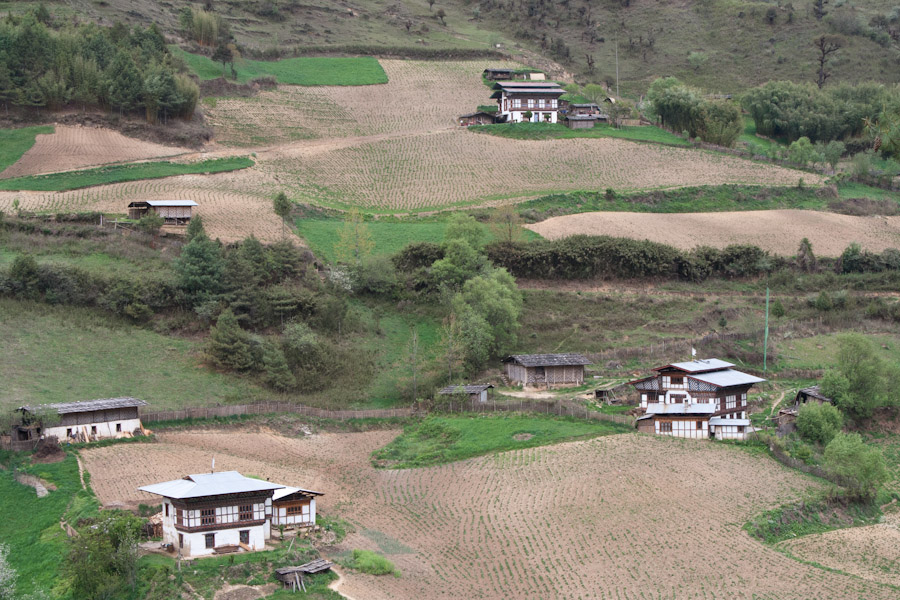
624, 516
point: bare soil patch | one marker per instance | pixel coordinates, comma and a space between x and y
521, 437
778, 231
610, 517
78, 147
41, 487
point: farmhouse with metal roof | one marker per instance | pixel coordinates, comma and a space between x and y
85, 421
696, 399
545, 370
516, 98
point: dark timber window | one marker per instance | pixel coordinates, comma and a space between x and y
699, 424
167, 508
181, 540
93, 430
245, 536
118, 427
208, 516
740, 429
677, 380
665, 427
179, 516
210, 540
245, 512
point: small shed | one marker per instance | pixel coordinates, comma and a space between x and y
476, 393
292, 577
498, 74
546, 370
82, 421
812, 393
294, 507
580, 121
175, 212
476, 118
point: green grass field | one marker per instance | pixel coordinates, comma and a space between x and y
548, 131
438, 440
361, 70
389, 236
16, 142
60, 353
755, 144
73, 180
820, 352
36, 541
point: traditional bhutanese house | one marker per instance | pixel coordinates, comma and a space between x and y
476, 118
545, 370
294, 507
475, 393
498, 74
515, 98
708, 395
82, 421
175, 212
212, 513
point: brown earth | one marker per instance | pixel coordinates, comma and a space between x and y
624, 516
69, 148
778, 231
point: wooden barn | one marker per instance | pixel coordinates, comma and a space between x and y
81, 421
175, 212
580, 121
475, 393
545, 370
294, 507
498, 74
696, 399
476, 118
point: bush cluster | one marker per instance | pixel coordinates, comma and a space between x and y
683, 108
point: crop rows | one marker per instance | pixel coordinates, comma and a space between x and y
615, 517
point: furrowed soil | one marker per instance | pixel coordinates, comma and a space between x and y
778, 231
392, 148
623, 516
71, 148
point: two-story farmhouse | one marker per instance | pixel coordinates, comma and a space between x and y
516, 98
211, 512
696, 399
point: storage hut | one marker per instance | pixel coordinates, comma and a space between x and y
175, 212
813, 393
580, 121
476, 118
498, 74
476, 393
82, 421
294, 507
546, 370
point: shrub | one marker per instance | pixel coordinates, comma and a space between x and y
417, 255
819, 422
861, 466
229, 346
373, 563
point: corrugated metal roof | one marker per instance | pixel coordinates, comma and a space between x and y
698, 366
171, 203
287, 491
465, 389
86, 405
548, 360
209, 484
526, 84
723, 421
727, 378
658, 408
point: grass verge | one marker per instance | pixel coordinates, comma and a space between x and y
73, 180
557, 131
16, 142
360, 70
437, 440
367, 561
805, 518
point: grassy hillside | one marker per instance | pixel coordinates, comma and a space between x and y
16, 142
735, 43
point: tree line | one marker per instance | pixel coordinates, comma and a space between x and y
118, 68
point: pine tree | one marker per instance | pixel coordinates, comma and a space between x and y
229, 345
124, 83
199, 269
278, 375
195, 228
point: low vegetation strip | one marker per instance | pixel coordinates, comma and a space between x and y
16, 142
438, 440
73, 180
267, 408
554, 131
360, 70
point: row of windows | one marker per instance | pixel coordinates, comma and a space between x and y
226, 514
541, 103
69, 432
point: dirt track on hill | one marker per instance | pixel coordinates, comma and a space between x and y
778, 231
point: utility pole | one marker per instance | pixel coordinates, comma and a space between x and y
766, 336
617, 66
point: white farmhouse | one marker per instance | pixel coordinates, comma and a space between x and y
294, 507
533, 101
211, 512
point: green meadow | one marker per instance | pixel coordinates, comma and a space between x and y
16, 142
554, 131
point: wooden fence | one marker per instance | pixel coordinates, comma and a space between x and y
7, 443
564, 408
262, 408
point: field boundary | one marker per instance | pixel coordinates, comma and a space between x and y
559, 408
262, 408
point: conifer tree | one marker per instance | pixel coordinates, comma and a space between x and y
278, 374
229, 345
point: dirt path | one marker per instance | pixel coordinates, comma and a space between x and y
778, 231
336, 584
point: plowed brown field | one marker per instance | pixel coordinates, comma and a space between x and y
624, 516
70, 148
778, 231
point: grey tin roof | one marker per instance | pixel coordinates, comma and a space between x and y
465, 389
548, 360
814, 392
171, 203
700, 365
287, 491
87, 405
722, 421
727, 378
209, 484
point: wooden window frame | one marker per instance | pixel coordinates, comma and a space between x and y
665, 426
244, 536
245, 512
210, 540
699, 424
207, 516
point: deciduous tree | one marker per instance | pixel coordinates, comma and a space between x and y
861, 466
826, 45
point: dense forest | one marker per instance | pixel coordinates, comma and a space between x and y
53, 65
